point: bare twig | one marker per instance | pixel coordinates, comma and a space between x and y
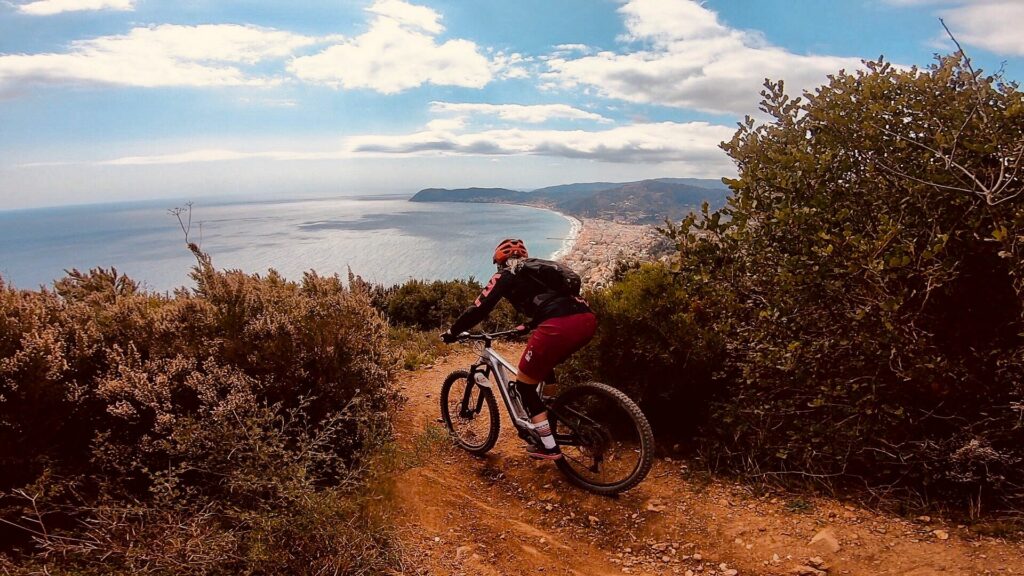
967, 62
186, 222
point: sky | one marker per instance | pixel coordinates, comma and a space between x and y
115, 100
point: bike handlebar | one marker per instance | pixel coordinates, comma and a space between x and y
485, 337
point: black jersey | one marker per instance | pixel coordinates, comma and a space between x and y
526, 295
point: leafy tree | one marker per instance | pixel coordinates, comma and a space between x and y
870, 265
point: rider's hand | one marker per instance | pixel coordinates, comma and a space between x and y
448, 337
522, 329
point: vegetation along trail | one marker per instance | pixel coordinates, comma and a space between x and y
508, 515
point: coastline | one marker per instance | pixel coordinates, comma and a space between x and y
594, 246
570, 241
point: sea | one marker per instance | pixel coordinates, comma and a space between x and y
384, 239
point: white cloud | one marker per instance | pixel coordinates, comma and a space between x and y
447, 124
689, 60
206, 155
573, 48
409, 15
533, 114
165, 55
692, 146
50, 7
506, 66
693, 142
993, 25
399, 51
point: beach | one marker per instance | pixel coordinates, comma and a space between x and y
570, 240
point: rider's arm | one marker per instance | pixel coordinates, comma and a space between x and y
484, 303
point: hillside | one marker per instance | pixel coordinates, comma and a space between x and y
470, 195
650, 201
643, 202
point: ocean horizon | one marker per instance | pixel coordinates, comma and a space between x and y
383, 238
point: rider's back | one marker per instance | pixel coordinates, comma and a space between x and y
543, 289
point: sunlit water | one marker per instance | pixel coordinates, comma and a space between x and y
383, 239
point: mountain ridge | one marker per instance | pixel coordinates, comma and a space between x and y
639, 202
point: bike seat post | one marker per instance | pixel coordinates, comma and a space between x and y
487, 341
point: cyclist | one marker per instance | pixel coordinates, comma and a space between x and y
562, 323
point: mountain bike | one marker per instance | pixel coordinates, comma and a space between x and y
606, 441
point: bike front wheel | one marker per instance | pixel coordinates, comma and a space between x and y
606, 442
469, 412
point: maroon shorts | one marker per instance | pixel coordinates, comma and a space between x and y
555, 340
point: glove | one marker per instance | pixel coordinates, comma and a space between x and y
522, 329
448, 337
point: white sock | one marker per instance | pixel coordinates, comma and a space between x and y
544, 431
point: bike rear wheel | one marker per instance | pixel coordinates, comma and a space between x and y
606, 442
469, 412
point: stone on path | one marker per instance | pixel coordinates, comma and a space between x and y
826, 541
807, 571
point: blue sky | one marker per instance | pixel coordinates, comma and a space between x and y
108, 100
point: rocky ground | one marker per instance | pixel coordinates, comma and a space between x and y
505, 514
602, 243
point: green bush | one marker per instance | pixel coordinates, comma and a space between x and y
433, 306
872, 243
223, 430
657, 342
861, 295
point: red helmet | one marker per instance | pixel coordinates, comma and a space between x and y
510, 248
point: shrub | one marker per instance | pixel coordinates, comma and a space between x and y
435, 305
872, 247
656, 342
221, 430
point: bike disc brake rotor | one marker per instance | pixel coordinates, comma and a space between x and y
604, 449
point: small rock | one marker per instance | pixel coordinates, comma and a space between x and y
826, 541
807, 571
941, 534
924, 519
817, 562
697, 557
461, 552
592, 519
655, 506
730, 572
666, 558
688, 573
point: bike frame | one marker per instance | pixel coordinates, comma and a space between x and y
492, 363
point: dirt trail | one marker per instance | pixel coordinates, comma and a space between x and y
508, 515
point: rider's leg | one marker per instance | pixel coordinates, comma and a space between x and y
550, 343
526, 385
